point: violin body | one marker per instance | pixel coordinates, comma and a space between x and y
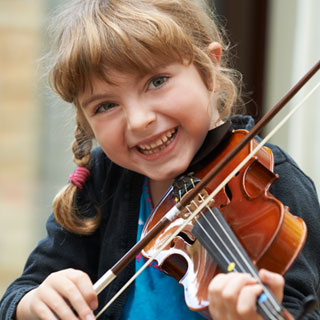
269, 233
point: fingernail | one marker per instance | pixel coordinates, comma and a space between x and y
93, 305
90, 317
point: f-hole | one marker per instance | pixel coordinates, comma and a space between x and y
175, 266
186, 238
228, 191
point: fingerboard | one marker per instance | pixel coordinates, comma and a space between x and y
218, 239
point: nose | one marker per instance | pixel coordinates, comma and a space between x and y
140, 116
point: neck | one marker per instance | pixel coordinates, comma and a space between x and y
158, 189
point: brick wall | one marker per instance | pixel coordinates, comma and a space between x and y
20, 43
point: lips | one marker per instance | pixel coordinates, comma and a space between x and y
159, 144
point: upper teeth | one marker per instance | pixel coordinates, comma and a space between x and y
163, 139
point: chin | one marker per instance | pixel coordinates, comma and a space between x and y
175, 173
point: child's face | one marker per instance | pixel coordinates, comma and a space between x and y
152, 124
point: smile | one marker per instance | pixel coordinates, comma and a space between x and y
158, 145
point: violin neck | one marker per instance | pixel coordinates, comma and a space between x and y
216, 236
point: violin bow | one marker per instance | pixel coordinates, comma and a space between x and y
112, 273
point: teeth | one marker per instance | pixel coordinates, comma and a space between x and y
170, 133
157, 145
165, 139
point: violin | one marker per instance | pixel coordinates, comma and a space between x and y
267, 234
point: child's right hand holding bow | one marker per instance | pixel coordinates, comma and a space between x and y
58, 295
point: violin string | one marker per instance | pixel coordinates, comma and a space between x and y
227, 249
247, 263
266, 306
210, 197
271, 305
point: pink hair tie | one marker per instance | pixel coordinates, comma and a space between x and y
79, 177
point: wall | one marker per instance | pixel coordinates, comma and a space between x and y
35, 134
293, 48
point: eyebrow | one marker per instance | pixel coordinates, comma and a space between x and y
93, 98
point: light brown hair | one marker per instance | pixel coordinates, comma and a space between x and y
94, 36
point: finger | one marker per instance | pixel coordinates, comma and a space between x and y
55, 303
42, 312
85, 286
247, 302
36, 308
223, 293
215, 288
69, 292
274, 281
232, 291
78, 290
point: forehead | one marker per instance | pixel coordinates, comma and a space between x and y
113, 77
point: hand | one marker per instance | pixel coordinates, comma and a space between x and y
234, 295
57, 295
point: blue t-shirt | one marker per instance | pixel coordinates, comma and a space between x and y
154, 294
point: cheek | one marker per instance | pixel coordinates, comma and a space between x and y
106, 134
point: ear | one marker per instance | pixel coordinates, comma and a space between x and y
214, 51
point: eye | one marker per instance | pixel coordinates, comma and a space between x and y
104, 107
157, 82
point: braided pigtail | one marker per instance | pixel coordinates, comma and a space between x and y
65, 211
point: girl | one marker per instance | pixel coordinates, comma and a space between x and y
149, 80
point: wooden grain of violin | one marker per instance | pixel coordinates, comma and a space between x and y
261, 237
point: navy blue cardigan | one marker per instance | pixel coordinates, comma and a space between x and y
116, 191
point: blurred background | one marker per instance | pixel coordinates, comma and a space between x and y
274, 43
